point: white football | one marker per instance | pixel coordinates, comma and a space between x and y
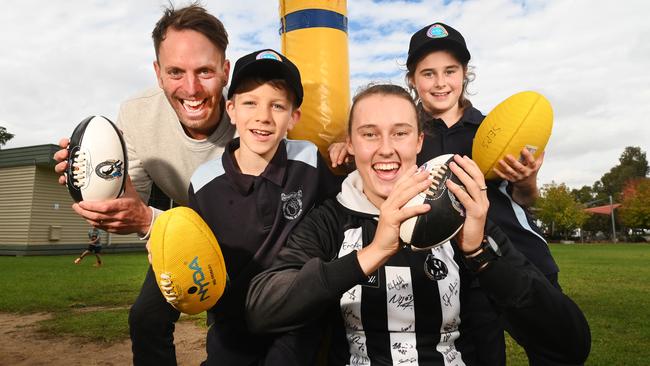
447, 214
97, 161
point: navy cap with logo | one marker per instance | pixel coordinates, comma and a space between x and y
267, 64
437, 36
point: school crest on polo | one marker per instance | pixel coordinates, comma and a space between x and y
291, 204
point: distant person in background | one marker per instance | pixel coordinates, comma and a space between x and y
169, 131
94, 246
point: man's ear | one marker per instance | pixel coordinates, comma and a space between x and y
230, 109
226, 71
295, 118
156, 68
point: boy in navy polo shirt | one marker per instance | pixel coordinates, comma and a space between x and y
252, 197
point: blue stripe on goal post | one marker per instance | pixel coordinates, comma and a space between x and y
313, 18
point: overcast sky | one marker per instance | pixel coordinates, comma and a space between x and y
64, 60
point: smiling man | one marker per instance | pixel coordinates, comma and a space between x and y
193, 85
169, 131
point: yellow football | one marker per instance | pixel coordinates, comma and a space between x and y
187, 260
524, 120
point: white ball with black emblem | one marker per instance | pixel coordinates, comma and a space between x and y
97, 161
446, 216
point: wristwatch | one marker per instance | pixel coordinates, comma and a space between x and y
480, 258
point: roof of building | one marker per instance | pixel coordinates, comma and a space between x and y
29, 155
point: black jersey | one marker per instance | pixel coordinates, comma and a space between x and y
251, 217
412, 310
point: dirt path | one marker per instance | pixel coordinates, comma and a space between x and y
22, 345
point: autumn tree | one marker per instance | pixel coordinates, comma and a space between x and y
635, 210
632, 164
558, 209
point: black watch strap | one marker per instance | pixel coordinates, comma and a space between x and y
481, 258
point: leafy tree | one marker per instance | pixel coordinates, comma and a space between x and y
594, 222
600, 223
559, 210
635, 210
584, 194
5, 136
632, 164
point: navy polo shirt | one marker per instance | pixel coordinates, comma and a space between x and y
251, 216
513, 219
440, 139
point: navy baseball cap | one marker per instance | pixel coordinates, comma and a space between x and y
437, 36
267, 64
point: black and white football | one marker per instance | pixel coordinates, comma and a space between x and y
447, 214
97, 161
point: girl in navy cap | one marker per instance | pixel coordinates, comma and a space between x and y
438, 75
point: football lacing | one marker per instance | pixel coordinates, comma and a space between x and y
436, 174
167, 287
79, 176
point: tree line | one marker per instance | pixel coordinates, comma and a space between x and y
562, 210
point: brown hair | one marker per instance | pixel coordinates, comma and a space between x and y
193, 17
248, 83
468, 76
382, 89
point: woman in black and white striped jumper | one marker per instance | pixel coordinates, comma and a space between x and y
390, 305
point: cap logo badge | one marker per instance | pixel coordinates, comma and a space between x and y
437, 31
268, 55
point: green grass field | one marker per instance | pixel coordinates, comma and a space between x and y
54, 284
611, 283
